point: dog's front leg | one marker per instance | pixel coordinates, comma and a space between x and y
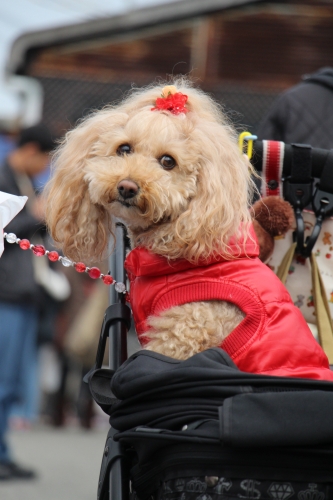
182, 331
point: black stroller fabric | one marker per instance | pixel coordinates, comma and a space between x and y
241, 409
202, 430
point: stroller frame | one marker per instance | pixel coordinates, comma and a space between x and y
116, 323
114, 482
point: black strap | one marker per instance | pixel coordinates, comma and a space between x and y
118, 312
298, 191
301, 164
323, 198
298, 188
326, 179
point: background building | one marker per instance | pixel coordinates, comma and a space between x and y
243, 52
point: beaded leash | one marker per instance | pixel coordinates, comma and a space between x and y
80, 267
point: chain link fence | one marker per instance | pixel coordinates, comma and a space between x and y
68, 99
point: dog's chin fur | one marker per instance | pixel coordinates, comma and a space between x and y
189, 212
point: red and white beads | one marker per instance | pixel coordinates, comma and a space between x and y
53, 256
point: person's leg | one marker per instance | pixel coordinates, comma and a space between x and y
24, 411
17, 323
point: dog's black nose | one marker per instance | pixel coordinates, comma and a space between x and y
127, 189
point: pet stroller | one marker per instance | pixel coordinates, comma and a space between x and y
200, 429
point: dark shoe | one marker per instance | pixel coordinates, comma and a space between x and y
10, 470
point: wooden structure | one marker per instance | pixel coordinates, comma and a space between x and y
243, 52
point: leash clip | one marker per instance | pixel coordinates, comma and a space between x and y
249, 138
299, 196
322, 204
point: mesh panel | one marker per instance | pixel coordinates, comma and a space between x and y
244, 105
67, 100
262, 48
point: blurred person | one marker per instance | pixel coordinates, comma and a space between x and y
7, 143
303, 114
60, 373
20, 293
81, 342
56, 290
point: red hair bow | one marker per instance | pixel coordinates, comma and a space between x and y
175, 103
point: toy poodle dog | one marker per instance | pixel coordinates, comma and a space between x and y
166, 163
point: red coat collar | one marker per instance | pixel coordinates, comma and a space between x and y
142, 262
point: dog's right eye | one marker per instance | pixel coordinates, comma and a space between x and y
124, 149
167, 162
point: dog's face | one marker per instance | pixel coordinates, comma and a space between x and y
145, 170
178, 181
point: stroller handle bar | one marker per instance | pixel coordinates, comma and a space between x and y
318, 159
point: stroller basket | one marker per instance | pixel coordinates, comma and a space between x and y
197, 426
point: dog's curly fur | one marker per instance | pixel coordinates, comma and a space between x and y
190, 211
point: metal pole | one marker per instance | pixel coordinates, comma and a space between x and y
118, 483
117, 332
117, 490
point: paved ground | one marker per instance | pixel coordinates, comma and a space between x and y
67, 461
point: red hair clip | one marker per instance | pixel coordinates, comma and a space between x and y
172, 101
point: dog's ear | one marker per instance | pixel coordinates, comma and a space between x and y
78, 226
219, 210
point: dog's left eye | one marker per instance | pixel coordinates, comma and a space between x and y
124, 149
167, 162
